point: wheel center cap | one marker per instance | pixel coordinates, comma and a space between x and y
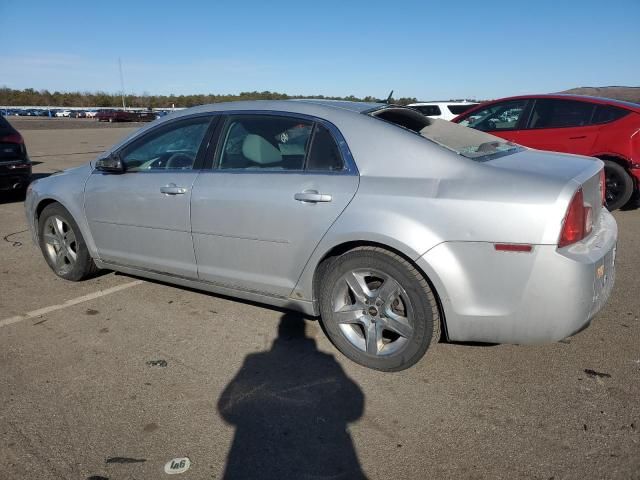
373, 311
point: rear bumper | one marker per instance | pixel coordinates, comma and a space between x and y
523, 298
17, 180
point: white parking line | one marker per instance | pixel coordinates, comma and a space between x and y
68, 303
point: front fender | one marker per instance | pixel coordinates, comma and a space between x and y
67, 189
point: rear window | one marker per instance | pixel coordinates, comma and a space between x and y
608, 113
3, 123
470, 143
428, 110
458, 109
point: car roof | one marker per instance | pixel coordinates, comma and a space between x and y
309, 106
585, 98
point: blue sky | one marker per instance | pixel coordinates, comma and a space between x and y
425, 49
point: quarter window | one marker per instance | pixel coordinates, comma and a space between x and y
500, 116
264, 142
553, 113
608, 113
173, 148
324, 154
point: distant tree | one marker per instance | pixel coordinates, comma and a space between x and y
29, 96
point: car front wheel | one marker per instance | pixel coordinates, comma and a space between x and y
378, 310
62, 244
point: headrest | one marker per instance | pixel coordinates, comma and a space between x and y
259, 150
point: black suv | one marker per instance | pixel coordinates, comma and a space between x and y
15, 166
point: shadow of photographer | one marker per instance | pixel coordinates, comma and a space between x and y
291, 406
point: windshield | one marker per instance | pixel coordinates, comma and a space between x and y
465, 141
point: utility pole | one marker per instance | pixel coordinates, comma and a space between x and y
124, 107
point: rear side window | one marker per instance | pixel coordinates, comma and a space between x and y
324, 154
428, 110
265, 142
608, 113
553, 113
458, 109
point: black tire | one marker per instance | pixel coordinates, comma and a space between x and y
619, 185
83, 266
426, 317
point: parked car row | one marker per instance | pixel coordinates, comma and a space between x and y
132, 115
108, 115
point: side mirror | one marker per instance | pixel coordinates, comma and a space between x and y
112, 163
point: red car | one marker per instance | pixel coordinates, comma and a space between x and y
597, 127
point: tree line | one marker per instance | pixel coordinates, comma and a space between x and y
30, 96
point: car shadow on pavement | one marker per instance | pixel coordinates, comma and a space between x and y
291, 406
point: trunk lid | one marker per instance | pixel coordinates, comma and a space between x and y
583, 171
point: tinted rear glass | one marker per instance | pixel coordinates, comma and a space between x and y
458, 109
607, 113
553, 113
3, 123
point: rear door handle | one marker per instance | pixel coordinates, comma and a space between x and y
312, 196
173, 189
577, 138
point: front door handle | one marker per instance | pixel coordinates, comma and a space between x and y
173, 189
312, 196
578, 137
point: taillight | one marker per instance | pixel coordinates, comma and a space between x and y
12, 138
577, 222
603, 187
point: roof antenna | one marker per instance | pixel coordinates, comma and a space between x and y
388, 100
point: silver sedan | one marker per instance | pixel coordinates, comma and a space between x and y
395, 229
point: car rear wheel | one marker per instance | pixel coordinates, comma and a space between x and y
62, 244
378, 310
619, 185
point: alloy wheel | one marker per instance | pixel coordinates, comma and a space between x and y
61, 245
373, 311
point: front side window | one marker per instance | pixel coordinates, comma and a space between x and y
553, 113
173, 148
499, 116
265, 142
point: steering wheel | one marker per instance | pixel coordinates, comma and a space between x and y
179, 160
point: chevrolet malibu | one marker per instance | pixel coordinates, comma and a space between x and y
392, 227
